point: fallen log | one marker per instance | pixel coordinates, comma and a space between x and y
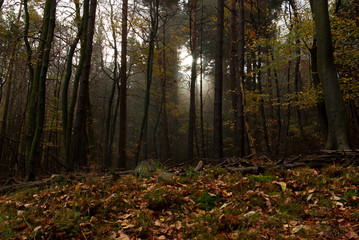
39, 183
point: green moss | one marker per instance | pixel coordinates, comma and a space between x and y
162, 198
262, 179
215, 172
205, 200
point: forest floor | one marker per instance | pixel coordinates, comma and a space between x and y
302, 203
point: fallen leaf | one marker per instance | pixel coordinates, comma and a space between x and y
352, 235
122, 236
283, 185
248, 214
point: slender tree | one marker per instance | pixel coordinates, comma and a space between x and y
67, 112
233, 65
192, 108
123, 94
154, 15
80, 136
218, 90
297, 74
36, 114
201, 84
109, 109
334, 103
240, 121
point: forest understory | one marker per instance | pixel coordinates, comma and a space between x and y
211, 199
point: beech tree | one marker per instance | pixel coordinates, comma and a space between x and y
333, 99
36, 114
80, 136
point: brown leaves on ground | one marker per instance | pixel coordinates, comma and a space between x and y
291, 204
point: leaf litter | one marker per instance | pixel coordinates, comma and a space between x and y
287, 204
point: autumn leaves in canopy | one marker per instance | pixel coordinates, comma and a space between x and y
70, 94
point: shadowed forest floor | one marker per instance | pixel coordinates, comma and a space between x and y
302, 203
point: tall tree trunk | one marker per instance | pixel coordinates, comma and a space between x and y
3, 164
261, 104
233, 74
240, 128
334, 103
278, 108
288, 111
192, 107
154, 13
165, 148
108, 127
218, 90
123, 89
322, 112
297, 75
80, 136
36, 114
201, 87
66, 119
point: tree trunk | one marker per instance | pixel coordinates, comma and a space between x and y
201, 88
192, 107
67, 114
218, 90
288, 110
240, 128
322, 112
36, 114
165, 148
3, 164
154, 13
261, 105
334, 103
123, 89
233, 74
297, 76
278, 108
108, 127
80, 136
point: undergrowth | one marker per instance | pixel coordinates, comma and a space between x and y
215, 204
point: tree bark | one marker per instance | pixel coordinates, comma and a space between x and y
261, 104
67, 114
233, 73
108, 126
154, 14
278, 108
334, 103
192, 107
36, 114
123, 89
240, 128
297, 75
218, 90
201, 87
80, 136
165, 148
322, 112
